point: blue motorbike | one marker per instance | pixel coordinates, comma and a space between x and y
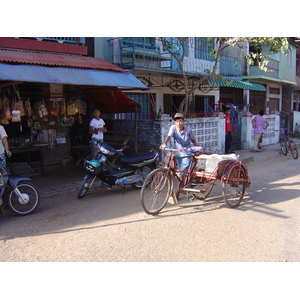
117, 170
17, 193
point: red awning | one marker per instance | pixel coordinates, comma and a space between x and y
113, 101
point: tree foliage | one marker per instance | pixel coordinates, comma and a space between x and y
262, 48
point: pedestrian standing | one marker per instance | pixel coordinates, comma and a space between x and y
4, 146
96, 129
183, 136
260, 124
228, 130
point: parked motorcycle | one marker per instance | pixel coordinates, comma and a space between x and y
20, 195
126, 170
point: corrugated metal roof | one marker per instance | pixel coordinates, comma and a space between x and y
29, 73
237, 84
55, 60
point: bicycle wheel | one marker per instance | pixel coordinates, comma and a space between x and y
293, 149
284, 148
234, 186
26, 204
156, 191
85, 186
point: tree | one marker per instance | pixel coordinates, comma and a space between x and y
176, 47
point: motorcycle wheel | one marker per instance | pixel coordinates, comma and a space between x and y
85, 186
27, 205
145, 170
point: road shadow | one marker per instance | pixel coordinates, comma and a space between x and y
65, 213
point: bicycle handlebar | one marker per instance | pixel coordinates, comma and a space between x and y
192, 150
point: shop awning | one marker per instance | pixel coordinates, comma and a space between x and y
112, 101
72, 76
236, 84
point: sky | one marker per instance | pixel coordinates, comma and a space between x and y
148, 18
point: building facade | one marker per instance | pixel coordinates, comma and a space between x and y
244, 88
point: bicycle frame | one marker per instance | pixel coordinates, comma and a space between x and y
287, 144
284, 138
170, 163
220, 172
196, 183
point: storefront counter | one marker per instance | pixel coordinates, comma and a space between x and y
34, 148
80, 153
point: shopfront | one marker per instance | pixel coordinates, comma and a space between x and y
46, 110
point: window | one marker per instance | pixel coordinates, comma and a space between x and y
289, 59
176, 45
145, 102
147, 42
172, 103
186, 48
273, 105
203, 45
298, 64
274, 91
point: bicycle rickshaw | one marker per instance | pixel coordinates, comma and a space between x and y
205, 168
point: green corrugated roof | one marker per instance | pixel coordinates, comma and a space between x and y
237, 84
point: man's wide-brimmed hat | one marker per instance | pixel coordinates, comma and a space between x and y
178, 116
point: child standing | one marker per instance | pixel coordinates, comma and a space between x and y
228, 130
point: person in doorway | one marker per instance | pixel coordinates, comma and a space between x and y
260, 124
96, 129
183, 136
4, 147
228, 130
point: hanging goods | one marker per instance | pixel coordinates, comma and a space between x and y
55, 108
16, 116
42, 109
71, 109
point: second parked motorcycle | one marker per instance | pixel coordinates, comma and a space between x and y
128, 170
17, 193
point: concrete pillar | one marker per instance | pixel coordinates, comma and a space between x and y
246, 134
221, 135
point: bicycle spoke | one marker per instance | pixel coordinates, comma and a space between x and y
156, 191
234, 186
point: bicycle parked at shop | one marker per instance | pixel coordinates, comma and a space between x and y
287, 144
197, 182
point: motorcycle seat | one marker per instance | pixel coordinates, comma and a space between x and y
139, 157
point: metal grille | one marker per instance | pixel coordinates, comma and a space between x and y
236, 133
206, 133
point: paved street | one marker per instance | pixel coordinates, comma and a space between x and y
109, 226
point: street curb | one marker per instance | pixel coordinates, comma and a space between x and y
269, 152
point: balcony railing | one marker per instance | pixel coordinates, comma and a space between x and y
230, 66
273, 70
148, 54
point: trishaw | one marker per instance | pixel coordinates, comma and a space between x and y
205, 168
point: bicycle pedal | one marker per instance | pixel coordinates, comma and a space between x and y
191, 198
